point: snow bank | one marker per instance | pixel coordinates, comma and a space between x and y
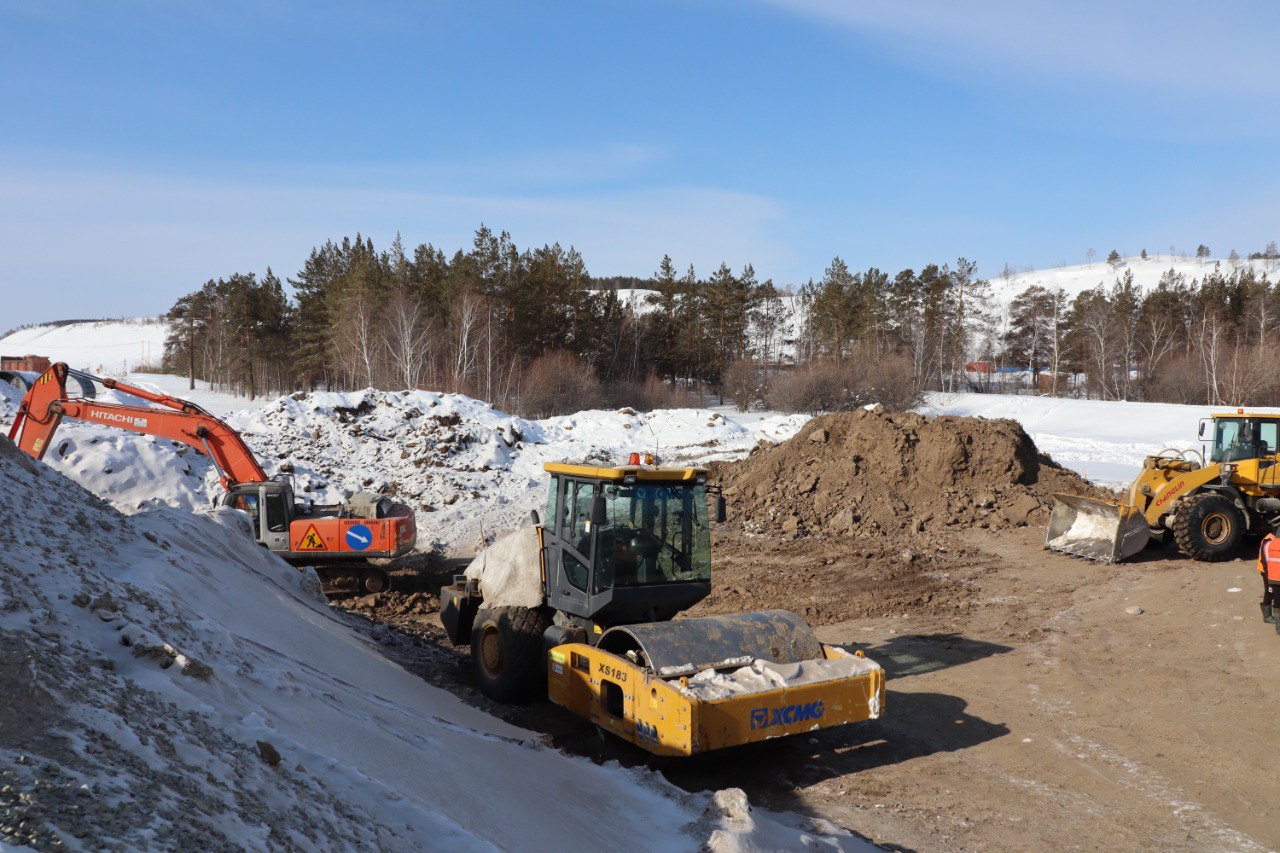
169, 684
470, 471
467, 469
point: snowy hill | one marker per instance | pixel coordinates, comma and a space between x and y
177, 687
103, 347
1074, 280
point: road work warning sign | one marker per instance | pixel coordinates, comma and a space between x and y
311, 540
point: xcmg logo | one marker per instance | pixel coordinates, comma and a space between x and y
763, 718
118, 417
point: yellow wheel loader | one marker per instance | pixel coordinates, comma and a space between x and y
1203, 503
581, 609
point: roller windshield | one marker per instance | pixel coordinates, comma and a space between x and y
656, 533
1235, 439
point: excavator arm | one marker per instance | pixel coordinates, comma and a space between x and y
46, 404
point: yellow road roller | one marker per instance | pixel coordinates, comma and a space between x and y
580, 608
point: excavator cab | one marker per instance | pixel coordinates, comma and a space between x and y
270, 505
627, 544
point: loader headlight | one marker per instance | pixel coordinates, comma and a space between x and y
630, 479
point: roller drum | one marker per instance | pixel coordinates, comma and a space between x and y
691, 645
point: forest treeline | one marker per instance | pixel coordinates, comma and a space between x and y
532, 332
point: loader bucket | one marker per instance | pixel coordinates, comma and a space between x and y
1096, 530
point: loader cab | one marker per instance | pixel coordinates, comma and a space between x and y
270, 505
629, 544
1239, 437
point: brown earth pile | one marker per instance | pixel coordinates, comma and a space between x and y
866, 474
866, 514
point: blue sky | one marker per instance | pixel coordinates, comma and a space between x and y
148, 146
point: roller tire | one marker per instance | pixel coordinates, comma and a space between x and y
507, 654
1208, 527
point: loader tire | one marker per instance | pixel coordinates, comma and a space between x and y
507, 654
1208, 527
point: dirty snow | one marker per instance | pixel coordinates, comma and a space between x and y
470, 472
168, 684
761, 675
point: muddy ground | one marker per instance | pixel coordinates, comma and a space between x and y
1027, 706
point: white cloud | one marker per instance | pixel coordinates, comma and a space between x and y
1167, 49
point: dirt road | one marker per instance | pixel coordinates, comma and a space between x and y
1026, 706
1042, 713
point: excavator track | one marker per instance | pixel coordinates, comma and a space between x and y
353, 579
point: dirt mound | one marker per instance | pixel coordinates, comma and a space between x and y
865, 474
865, 514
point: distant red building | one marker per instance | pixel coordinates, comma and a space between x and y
32, 363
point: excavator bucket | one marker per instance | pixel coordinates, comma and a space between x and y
1104, 531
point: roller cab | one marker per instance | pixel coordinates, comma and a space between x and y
673, 716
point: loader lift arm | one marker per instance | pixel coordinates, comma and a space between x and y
46, 404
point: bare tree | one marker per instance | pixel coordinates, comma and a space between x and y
407, 336
465, 332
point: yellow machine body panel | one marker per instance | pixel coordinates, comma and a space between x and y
617, 474
656, 715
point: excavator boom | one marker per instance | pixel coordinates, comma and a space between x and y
366, 527
47, 403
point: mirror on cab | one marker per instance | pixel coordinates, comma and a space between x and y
721, 510
599, 510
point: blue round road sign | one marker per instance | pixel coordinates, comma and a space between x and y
359, 537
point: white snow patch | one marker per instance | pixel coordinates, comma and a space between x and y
761, 675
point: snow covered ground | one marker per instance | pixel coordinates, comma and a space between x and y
1104, 440
168, 684
103, 348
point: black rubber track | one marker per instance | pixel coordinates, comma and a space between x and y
1189, 527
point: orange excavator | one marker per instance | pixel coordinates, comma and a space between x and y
338, 539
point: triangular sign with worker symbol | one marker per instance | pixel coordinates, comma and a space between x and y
311, 540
